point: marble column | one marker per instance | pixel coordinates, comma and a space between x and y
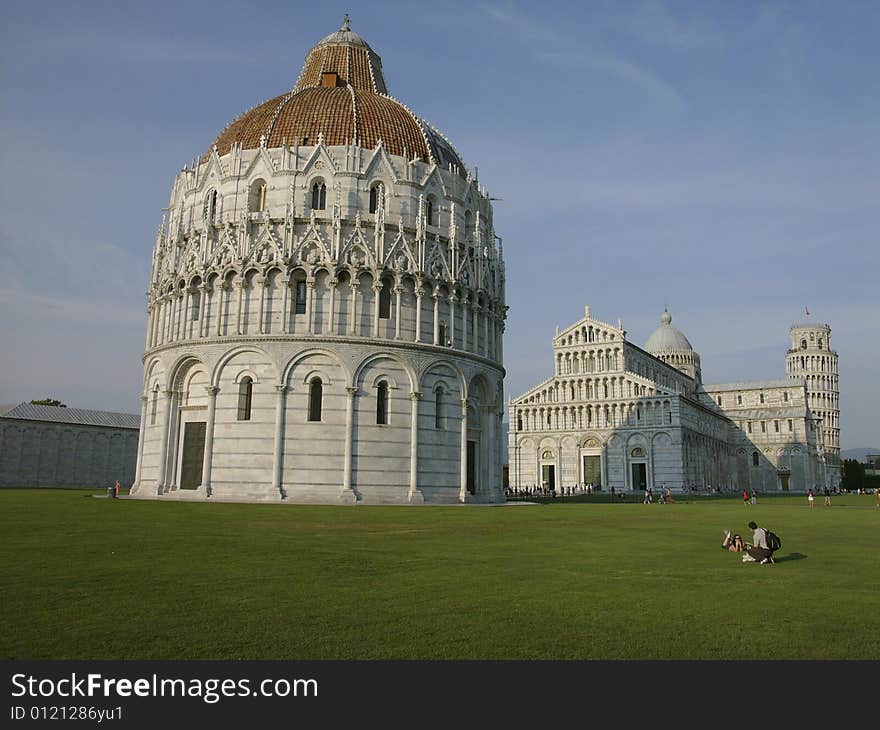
278, 453
208, 457
262, 320
142, 435
348, 494
419, 294
462, 493
414, 496
163, 445
397, 292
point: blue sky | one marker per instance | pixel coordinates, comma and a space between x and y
719, 158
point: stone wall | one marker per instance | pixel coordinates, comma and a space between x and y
41, 454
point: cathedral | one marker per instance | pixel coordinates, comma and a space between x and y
325, 307
617, 415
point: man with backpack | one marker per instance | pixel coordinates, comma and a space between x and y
764, 544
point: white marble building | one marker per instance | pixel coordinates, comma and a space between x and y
326, 307
614, 414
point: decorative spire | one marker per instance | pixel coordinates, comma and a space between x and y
346, 23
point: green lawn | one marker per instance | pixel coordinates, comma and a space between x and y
94, 578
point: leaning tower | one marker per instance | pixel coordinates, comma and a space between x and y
811, 359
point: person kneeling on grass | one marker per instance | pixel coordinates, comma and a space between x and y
734, 544
758, 551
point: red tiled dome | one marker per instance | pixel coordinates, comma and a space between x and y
340, 94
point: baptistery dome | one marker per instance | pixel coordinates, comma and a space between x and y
326, 306
340, 97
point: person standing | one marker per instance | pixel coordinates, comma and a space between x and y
827, 497
116, 488
810, 498
754, 496
745, 498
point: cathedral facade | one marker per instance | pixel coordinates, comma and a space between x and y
617, 415
326, 307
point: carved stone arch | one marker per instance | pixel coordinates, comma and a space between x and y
152, 372
245, 373
231, 353
383, 376
315, 373
548, 442
453, 369
300, 356
384, 355
181, 368
591, 440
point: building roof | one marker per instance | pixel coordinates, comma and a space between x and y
755, 385
54, 414
667, 338
340, 98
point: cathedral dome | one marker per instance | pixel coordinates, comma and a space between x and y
340, 98
667, 338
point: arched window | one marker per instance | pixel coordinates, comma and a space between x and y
257, 198
385, 299
245, 395
803, 344
194, 306
442, 334
430, 211
316, 398
209, 211
785, 396
719, 400
382, 402
739, 400
376, 196
820, 343
300, 307
438, 410
319, 195
761, 396
754, 458
518, 421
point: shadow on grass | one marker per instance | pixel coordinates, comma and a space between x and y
790, 556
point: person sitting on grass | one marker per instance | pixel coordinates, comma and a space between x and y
734, 544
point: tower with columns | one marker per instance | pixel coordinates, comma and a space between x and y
326, 306
812, 359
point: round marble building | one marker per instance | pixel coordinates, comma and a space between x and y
326, 307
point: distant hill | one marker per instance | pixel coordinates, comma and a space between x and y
858, 454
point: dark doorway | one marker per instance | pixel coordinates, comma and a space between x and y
640, 476
548, 476
783, 482
472, 467
193, 455
593, 470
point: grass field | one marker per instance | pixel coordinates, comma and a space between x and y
94, 578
